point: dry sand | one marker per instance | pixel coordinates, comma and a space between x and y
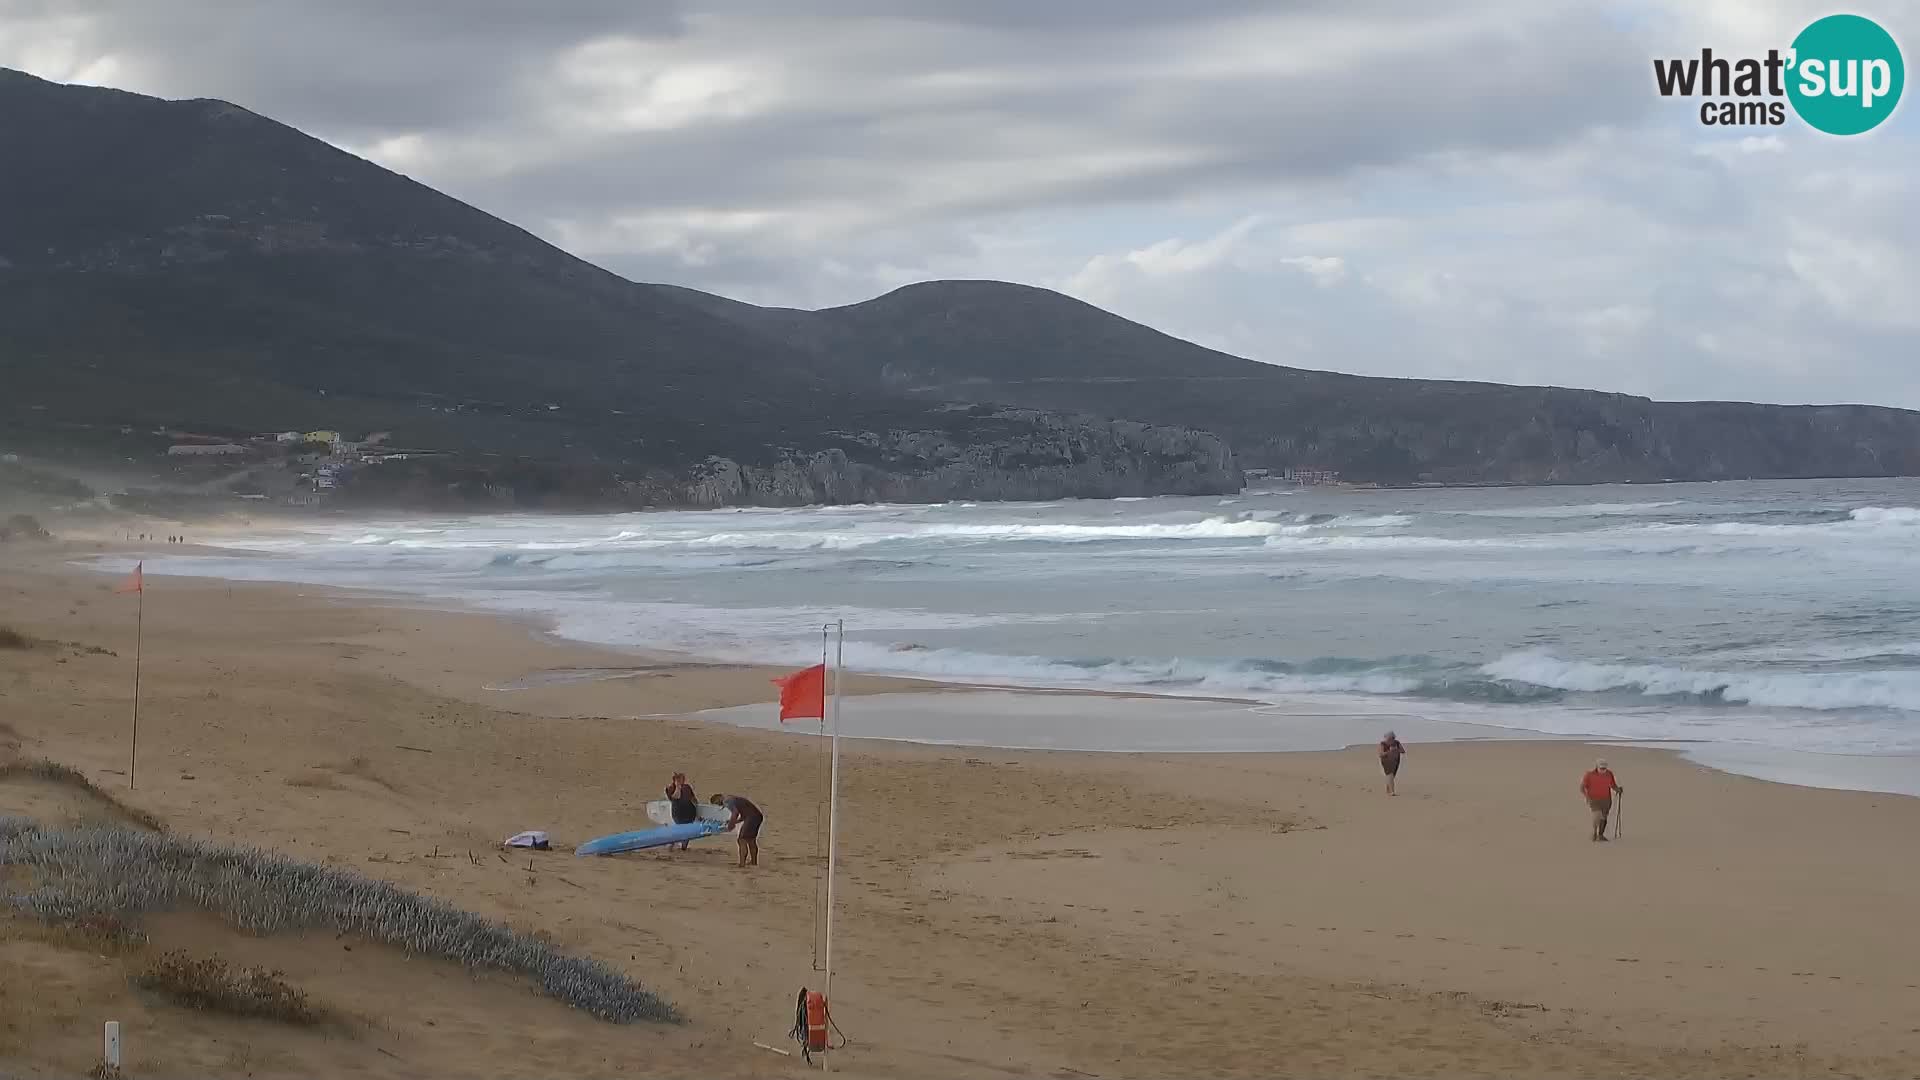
1004, 913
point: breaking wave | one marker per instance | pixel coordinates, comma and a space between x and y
1246, 525
1817, 690
1516, 678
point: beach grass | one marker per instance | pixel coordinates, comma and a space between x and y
54, 772
89, 873
14, 639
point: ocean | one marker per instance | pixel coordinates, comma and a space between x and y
1755, 616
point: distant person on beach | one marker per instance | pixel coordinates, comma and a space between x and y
748, 817
1390, 754
1599, 786
686, 805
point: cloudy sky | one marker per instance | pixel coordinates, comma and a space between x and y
1485, 190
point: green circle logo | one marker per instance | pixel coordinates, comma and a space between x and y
1847, 74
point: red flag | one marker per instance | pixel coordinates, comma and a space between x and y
803, 694
136, 581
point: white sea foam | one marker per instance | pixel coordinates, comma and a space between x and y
671, 534
1824, 690
1906, 516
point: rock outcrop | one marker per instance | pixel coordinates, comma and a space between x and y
1054, 457
1037, 455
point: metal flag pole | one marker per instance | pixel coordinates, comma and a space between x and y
833, 804
819, 808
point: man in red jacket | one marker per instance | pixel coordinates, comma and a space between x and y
1598, 785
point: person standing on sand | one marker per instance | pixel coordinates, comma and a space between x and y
1390, 754
686, 805
749, 818
1599, 786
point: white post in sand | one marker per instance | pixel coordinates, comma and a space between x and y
833, 807
110, 1053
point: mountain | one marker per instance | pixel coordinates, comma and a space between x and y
191, 265
993, 341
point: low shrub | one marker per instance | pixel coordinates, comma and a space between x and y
208, 983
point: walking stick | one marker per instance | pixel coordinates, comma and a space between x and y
1620, 817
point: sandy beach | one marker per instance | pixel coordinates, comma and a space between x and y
1003, 913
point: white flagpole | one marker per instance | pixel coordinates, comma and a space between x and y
825, 629
833, 804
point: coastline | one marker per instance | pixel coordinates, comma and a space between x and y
1001, 911
1890, 774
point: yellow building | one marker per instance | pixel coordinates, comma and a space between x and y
328, 437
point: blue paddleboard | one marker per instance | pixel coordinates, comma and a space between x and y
641, 839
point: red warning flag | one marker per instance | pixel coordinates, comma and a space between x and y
136, 581
803, 694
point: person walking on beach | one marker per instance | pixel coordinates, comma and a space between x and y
749, 818
1599, 786
686, 805
1390, 754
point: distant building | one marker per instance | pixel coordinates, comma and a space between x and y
288, 437
376, 438
328, 437
205, 450
1311, 476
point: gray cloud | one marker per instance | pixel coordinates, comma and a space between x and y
1484, 191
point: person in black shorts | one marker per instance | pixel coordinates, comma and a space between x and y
686, 805
1390, 752
748, 818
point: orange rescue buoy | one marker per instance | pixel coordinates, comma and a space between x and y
816, 1021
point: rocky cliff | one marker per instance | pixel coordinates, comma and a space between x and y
1032, 455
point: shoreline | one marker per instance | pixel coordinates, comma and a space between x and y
1887, 774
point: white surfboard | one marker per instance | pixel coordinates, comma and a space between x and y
660, 812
